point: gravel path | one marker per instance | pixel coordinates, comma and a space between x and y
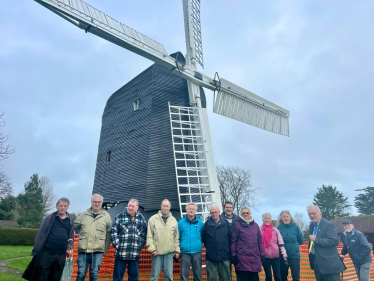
5, 269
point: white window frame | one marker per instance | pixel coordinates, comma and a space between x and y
135, 104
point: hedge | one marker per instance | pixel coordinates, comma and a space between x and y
17, 236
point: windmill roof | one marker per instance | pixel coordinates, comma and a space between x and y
364, 224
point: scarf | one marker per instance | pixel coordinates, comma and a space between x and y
247, 221
266, 236
166, 215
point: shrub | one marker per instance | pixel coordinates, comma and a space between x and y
17, 236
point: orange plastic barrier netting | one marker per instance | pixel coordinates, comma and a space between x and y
106, 269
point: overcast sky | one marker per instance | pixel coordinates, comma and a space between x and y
314, 58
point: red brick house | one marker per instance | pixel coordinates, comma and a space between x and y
365, 224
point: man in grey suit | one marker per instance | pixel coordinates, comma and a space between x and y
324, 258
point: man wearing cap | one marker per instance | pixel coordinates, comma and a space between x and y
356, 244
323, 255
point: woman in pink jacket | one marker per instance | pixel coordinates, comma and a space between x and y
272, 242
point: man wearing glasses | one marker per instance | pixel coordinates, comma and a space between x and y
323, 255
93, 227
216, 238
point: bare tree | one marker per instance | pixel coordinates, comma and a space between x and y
303, 224
6, 187
49, 197
5, 149
235, 186
300, 221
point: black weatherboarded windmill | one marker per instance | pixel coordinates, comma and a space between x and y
135, 157
155, 140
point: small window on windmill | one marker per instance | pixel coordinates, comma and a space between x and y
135, 104
108, 154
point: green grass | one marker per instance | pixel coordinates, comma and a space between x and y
8, 252
10, 277
19, 264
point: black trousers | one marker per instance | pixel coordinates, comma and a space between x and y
294, 264
275, 264
48, 267
325, 277
246, 276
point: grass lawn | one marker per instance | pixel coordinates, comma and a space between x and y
19, 264
7, 252
10, 277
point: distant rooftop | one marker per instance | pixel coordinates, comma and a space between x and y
364, 224
9, 223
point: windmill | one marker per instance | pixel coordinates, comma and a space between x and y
194, 165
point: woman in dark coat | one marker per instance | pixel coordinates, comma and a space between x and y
246, 247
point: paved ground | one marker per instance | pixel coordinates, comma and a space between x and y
4, 268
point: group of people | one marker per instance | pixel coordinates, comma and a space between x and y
229, 239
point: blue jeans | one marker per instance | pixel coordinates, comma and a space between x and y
363, 271
186, 261
92, 259
120, 267
165, 262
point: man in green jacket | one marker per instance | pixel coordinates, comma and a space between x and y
163, 241
94, 238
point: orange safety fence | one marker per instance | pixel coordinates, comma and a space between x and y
145, 263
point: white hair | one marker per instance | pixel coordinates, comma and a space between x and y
134, 201
97, 195
313, 206
166, 200
213, 206
245, 208
266, 214
191, 204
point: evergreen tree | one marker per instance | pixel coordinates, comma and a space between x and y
332, 202
364, 202
31, 204
9, 208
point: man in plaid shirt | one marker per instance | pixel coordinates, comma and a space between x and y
128, 235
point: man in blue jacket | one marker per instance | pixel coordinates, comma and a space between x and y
356, 244
190, 230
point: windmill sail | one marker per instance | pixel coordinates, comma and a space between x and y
192, 24
96, 22
237, 103
231, 101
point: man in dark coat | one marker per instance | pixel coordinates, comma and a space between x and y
229, 215
324, 258
356, 244
54, 240
216, 238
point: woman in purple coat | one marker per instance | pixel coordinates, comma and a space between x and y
246, 247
